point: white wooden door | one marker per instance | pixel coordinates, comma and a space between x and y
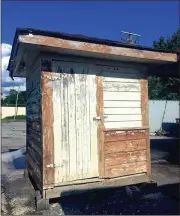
75, 132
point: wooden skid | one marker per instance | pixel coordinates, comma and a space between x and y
105, 184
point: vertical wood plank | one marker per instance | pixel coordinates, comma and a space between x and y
82, 101
100, 129
79, 157
63, 152
57, 129
145, 118
93, 126
85, 125
89, 126
144, 103
66, 155
78, 126
47, 131
72, 126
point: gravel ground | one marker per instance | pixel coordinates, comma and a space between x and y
18, 198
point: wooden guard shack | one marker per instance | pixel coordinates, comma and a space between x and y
87, 110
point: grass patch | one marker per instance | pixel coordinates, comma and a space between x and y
11, 118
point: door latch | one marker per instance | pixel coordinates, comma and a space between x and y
97, 118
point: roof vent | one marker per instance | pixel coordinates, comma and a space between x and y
130, 38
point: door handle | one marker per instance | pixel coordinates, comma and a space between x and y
98, 118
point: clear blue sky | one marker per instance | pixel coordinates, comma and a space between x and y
103, 19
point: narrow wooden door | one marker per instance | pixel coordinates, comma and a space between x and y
75, 131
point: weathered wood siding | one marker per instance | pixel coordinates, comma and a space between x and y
33, 115
80, 148
122, 98
125, 147
75, 132
125, 152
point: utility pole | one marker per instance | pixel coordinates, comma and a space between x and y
16, 106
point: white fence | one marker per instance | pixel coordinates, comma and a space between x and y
159, 112
10, 111
162, 112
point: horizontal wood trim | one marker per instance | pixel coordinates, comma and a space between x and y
125, 129
113, 136
130, 96
120, 111
121, 104
124, 146
120, 76
121, 87
128, 124
124, 157
126, 169
121, 118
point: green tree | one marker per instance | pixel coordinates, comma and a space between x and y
11, 98
163, 88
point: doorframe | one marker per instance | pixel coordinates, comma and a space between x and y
100, 127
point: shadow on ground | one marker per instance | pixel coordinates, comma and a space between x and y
165, 149
116, 201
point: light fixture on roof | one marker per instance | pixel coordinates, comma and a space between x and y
128, 37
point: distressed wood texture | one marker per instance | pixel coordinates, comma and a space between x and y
144, 103
122, 97
125, 106
100, 134
75, 132
125, 146
125, 157
33, 123
98, 49
47, 131
131, 134
125, 152
126, 169
145, 118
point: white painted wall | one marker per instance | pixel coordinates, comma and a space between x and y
10, 111
161, 111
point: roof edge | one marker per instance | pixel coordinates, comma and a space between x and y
74, 37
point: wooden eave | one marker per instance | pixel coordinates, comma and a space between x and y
159, 63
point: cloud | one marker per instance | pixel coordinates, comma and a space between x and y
7, 83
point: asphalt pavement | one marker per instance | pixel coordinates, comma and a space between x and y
18, 196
